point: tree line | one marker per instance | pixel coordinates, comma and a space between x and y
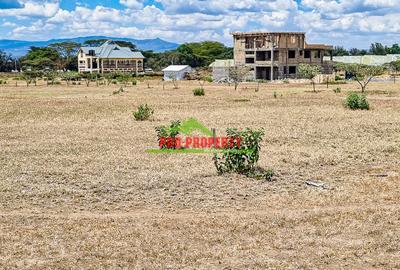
62, 56
375, 49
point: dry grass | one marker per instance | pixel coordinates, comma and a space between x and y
78, 190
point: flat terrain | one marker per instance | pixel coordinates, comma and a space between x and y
79, 191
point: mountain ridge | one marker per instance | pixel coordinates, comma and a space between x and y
19, 48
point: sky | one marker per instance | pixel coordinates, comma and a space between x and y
349, 23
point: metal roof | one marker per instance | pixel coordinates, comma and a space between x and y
176, 68
111, 50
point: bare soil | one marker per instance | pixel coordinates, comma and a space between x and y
79, 191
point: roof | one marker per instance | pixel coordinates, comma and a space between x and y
111, 50
223, 63
265, 33
319, 46
176, 68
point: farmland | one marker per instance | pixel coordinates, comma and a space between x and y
78, 189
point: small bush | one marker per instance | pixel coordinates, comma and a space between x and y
275, 95
285, 81
356, 101
208, 79
3, 82
144, 112
244, 158
198, 92
134, 82
337, 90
114, 81
170, 133
338, 78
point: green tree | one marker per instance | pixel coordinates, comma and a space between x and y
363, 74
339, 51
377, 49
70, 76
394, 68
68, 53
41, 58
309, 72
7, 62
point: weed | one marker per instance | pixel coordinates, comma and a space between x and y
337, 90
170, 133
355, 101
198, 92
144, 112
244, 158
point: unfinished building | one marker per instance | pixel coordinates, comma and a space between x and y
277, 55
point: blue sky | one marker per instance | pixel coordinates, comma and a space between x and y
351, 23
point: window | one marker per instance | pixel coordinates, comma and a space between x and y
250, 60
307, 54
292, 54
249, 52
292, 69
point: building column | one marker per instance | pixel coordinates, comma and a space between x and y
272, 63
137, 67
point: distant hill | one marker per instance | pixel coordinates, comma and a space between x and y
20, 47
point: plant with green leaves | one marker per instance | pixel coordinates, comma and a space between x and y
238, 74
199, 92
31, 77
170, 133
144, 112
242, 157
89, 77
394, 68
70, 76
362, 74
50, 76
355, 101
309, 72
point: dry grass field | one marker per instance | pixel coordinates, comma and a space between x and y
79, 191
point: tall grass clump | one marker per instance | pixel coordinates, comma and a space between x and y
355, 101
199, 92
144, 112
242, 157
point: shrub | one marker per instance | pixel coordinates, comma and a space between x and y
143, 113
198, 92
338, 78
356, 101
275, 95
285, 81
170, 133
242, 157
3, 82
337, 90
134, 82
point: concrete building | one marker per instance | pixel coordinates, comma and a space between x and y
221, 69
276, 55
176, 72
109, 57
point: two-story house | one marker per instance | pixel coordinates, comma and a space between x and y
109, 57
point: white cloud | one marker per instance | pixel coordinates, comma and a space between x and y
32, 9
349, 23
